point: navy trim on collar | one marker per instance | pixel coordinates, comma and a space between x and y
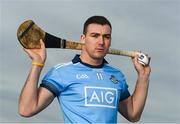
77, 59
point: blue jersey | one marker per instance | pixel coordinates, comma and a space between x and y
86, 93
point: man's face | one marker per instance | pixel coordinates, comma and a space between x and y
97, 40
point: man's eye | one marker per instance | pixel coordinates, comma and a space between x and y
107, 36
95, 35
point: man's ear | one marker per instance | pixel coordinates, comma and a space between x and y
82, 39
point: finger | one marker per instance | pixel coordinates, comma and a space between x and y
29, 52
26, 50
42, 43
135, 59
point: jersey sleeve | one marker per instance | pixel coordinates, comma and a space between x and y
53, 82
124, 92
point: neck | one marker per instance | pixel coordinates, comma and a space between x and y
90, 61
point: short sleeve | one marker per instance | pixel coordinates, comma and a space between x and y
124, 91
53, 82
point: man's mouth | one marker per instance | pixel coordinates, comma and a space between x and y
100, 49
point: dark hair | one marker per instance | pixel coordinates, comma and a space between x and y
96, 20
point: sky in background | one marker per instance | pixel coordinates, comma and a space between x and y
152, 26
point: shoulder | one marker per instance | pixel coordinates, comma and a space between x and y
62, 66
59, 67
112, 68
114, 71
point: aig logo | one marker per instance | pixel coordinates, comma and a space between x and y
100, 96
82, 76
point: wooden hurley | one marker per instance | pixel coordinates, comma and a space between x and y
29, 35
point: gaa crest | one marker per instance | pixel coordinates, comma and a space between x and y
113, 79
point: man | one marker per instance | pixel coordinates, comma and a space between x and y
88, 89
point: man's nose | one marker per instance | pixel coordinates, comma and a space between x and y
101, 40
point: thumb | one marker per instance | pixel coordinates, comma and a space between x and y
29, 52
135, 59
42, 44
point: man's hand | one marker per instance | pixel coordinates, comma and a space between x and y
141, 70
37, 55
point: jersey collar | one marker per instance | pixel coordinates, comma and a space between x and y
77, 59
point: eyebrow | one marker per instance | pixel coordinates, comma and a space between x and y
93, 33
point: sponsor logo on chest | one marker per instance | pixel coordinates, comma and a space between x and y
100, 96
